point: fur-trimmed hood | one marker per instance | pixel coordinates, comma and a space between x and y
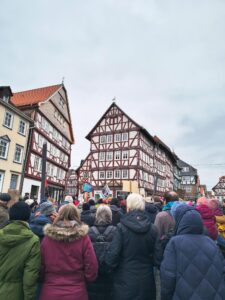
66, 232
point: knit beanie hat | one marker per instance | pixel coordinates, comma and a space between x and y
46, 208
19, 211
69, 199
5, 197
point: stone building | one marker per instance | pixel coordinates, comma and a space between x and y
14, 132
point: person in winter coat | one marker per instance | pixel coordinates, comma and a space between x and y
68, 257
19, 256
151, 209
133, 252
116, 211
45, 215
87, 215
4, 205
208, 217
101, 234
164, 221
193, 266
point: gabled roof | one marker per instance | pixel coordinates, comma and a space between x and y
115, 105
182, 164
165, 148
34, 96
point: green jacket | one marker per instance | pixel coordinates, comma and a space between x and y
19, 262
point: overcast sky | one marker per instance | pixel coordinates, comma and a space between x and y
164, 60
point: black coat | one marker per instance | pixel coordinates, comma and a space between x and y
132, 254
193, 267
101, 288
152, 210
116, 214
88, 217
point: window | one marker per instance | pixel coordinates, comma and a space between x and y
109, 138
61, 102
102, 175
188, 189
102, 139
1, 180
117, 155
4, 145
109, 174
85, 174
18, 154
124, 173
125, 136
45, 125
13, 181
5, 98
117, 137
37, 164
125, 154
117, 174
22, 127
101, 156
109, 155
8, 119
185, 169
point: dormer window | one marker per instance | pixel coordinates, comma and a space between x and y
5, 98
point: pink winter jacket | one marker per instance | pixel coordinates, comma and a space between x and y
68, 262
208, 219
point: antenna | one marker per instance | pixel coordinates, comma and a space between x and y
114, 100
63, 80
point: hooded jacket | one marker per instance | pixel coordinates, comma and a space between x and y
116, 214
19, 262
88, 216
193, 267
4, 216
132, 254
208, 219
68, 261
38, 223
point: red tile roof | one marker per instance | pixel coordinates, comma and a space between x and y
34, 96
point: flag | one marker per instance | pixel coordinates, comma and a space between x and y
106, 191
87, 187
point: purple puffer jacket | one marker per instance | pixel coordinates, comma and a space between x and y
208, 219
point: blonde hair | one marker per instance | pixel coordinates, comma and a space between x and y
135, 201
68, 212
103, 215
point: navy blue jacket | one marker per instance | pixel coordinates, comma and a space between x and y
193, 267
37, 225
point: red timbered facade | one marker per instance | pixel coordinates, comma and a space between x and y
49, 108
121, 152
219, 189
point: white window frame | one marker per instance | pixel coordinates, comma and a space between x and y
21, 154
117, 155
103, 173
7, 148
125, 136
101, 156
85, 174
125, 155
117, 137
109, 138
38, 159
109, 156
117, 174
103, 139
125, 177
11, 120
1, 180
107, 174
24, 132
17, 176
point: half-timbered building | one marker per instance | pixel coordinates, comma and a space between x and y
49, 108
219, 189
71, 183
190, 181
123, 153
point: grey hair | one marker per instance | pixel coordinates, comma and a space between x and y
103, 215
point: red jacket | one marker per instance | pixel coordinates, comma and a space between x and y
208, 219
68, 262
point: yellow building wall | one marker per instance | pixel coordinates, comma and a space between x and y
7, 165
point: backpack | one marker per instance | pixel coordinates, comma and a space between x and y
100, 247
163, 242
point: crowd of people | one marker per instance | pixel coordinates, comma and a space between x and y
136, 249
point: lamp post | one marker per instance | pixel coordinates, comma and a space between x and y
43, 171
